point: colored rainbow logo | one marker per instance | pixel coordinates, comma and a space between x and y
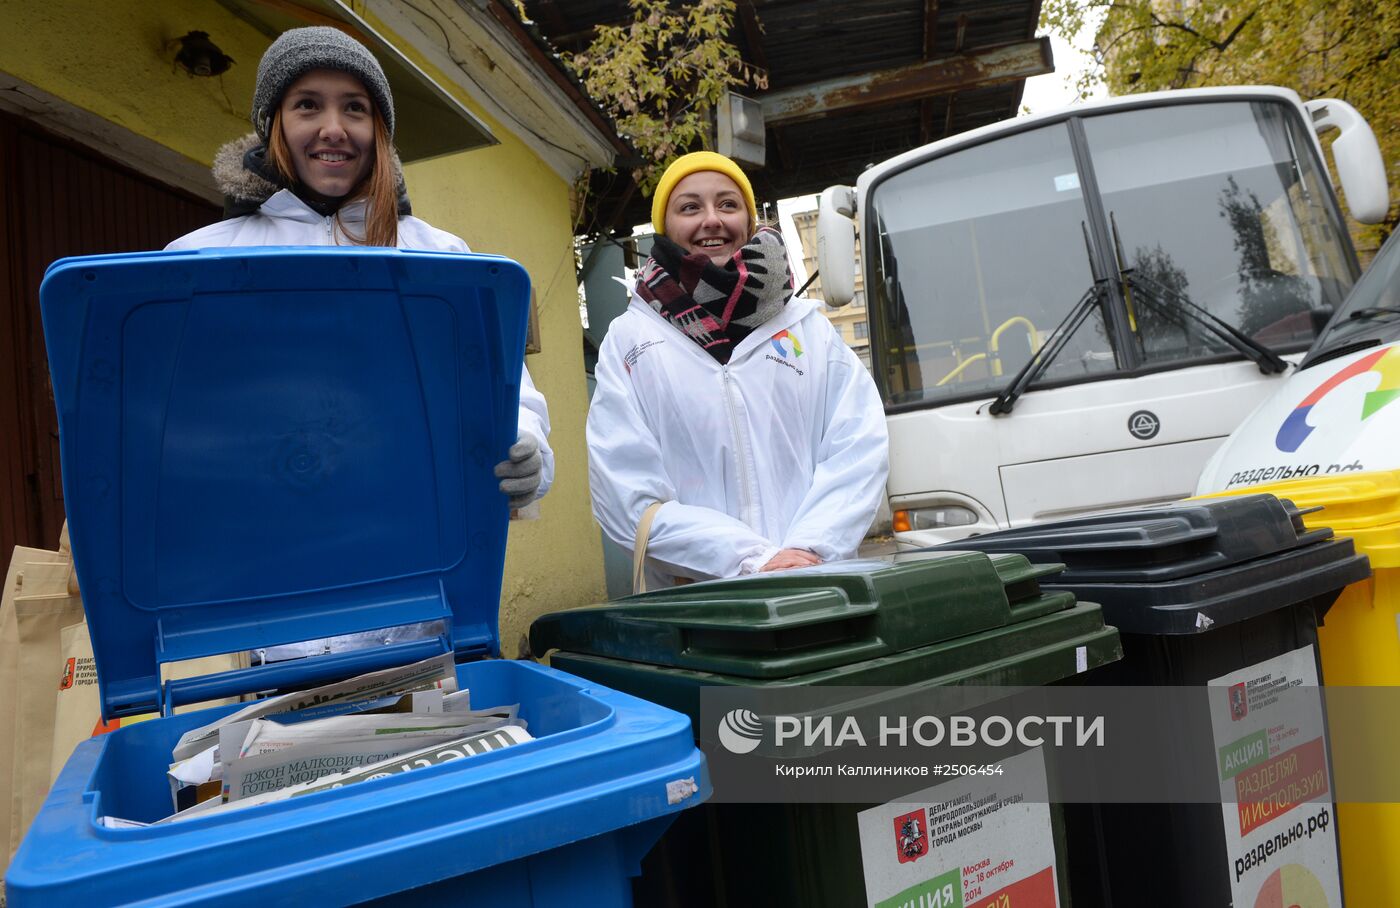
781, 335
1295, 429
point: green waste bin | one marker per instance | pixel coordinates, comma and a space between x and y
947, 618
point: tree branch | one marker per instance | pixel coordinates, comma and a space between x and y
1380, 57
1218, 45
1105, 48
1235, 33
1179, 26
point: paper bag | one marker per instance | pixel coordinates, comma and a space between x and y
9, 681
78, 706
40, 621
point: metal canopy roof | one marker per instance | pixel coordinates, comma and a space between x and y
850, 82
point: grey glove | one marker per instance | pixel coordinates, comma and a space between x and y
520, 475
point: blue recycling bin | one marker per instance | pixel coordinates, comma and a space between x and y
261, 446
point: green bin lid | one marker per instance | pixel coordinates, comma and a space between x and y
800, 622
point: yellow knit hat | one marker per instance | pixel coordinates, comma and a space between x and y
695, 162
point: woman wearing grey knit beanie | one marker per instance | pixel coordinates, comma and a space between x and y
323, 117
320, 169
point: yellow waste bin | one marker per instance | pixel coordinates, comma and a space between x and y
1360, 646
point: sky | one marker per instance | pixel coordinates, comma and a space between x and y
1042, 93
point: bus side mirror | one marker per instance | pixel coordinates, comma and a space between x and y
1320, 317
836, 245
1359, 164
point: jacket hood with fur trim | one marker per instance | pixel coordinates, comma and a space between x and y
247, 179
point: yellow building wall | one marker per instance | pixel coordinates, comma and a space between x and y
115, 60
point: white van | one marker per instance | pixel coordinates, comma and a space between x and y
1340, 411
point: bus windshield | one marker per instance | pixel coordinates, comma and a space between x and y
979, 254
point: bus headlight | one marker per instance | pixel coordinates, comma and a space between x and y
936, 518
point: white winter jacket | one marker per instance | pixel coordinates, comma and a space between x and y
784, 447
285, 220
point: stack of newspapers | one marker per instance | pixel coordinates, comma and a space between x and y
365, 727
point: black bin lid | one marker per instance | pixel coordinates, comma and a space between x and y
1188, 567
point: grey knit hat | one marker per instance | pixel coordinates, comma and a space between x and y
300, 50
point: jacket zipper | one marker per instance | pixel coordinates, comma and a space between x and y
741, 446
329, 231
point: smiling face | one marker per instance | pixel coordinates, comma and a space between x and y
328, 127
706, 214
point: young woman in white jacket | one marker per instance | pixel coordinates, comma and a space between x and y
321, 170
732, 402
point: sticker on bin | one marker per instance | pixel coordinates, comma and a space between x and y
1280, 838
981, 842
680, 790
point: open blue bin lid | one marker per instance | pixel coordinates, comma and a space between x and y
266, 445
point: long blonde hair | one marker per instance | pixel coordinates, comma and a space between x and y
380, 189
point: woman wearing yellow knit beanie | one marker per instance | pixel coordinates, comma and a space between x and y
727, 410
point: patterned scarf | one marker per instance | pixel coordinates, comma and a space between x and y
715, 306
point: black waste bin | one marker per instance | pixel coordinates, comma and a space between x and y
1224, 593
938, 619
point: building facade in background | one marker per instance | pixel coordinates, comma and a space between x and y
851, 320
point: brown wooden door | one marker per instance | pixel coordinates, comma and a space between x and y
57, 199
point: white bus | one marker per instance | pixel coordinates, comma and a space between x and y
1070, 311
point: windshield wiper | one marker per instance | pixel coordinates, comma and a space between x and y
1269, 362
1324, 354
1375, 312
1042, 358
1368, 320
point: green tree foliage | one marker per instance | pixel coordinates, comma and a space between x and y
661, 75
1347, 49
